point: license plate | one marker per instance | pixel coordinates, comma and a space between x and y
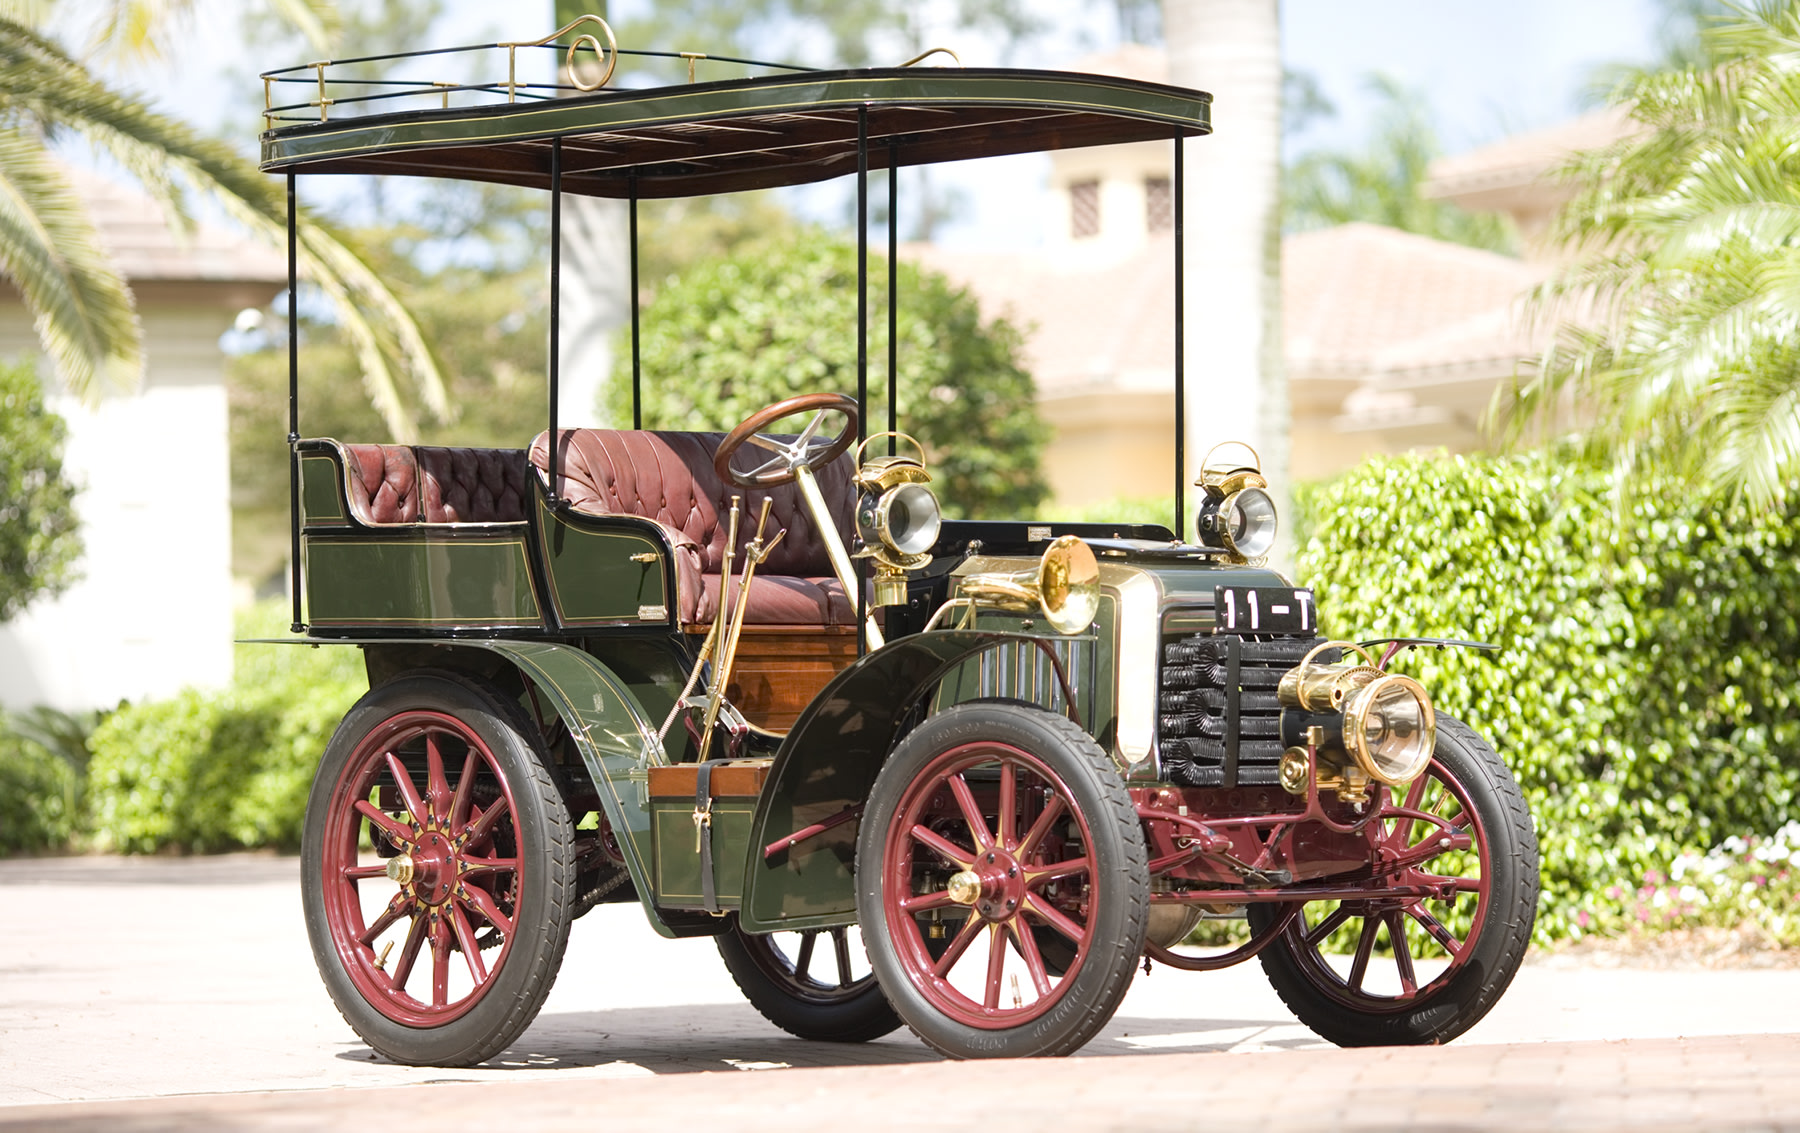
1264, 609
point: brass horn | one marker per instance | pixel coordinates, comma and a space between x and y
1064, 586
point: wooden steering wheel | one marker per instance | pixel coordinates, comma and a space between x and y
806, 449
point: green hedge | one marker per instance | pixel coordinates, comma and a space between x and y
1646, 694
40, 796
222, 770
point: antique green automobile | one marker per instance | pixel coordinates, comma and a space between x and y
961, 775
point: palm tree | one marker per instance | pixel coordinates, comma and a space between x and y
1381, 183
1232, 48
51, 252
1677, 342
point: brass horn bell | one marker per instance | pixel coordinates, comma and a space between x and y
1064, 586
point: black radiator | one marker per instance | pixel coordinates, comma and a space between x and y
1220, 724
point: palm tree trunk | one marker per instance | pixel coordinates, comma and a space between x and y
596, 294
1236, 380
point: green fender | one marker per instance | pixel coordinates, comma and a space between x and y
614, 735
827, 764
616, 738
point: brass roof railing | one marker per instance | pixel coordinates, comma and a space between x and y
583, 57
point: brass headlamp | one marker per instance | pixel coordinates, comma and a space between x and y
1381, 723
897, 517
1236, 512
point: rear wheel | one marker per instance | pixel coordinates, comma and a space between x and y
436, 871
991, 825
814, 985
1420, 969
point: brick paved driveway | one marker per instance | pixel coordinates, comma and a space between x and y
161, 979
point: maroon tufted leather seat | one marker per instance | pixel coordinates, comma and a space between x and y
472, 485
391, 484
384, 483
668, 477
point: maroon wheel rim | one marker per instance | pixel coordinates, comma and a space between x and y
1432, 838
823, 966
409, 920
1001, 814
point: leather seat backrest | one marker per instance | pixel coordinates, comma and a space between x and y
669, 477
473, 485
383, 483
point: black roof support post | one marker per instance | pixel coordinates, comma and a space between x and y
293, 434
862, 339
555, 446
1180, 354
893, 267
637, 367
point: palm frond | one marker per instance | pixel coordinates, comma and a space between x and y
172, 160
1673, 332
51, 252
143, 28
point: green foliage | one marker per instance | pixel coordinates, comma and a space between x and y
488, 322
1381, 184
825, 33
39, 543
1122, 509
1675, 338
217, 771
48, 249
1742, 882
1645, 695
40, 796
731, 336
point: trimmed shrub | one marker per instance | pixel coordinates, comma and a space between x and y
1645, 693
40, 797
219, 771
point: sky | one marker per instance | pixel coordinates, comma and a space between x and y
1486, 69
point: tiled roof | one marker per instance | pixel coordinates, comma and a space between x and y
1355, 298
1493, 338
145, 248
1352, 292
1111, 327
1523, 159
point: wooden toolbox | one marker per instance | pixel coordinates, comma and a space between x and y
735, 786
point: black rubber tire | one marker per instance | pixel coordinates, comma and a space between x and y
1119, 877
544, 844
1445, 1008
802, 1006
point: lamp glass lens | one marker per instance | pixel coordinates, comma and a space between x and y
911, 519
1251, 522
1395, 727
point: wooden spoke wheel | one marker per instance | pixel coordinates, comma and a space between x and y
1399, 967
437, 871
990, 825
815, 984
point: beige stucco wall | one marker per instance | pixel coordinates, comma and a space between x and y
153, 610
1107, 445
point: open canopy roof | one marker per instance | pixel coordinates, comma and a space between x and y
756, 133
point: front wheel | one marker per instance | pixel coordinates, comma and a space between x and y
991, 826
437, 871
814, 984
1421, 969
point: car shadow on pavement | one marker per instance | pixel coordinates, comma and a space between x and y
638, 1041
